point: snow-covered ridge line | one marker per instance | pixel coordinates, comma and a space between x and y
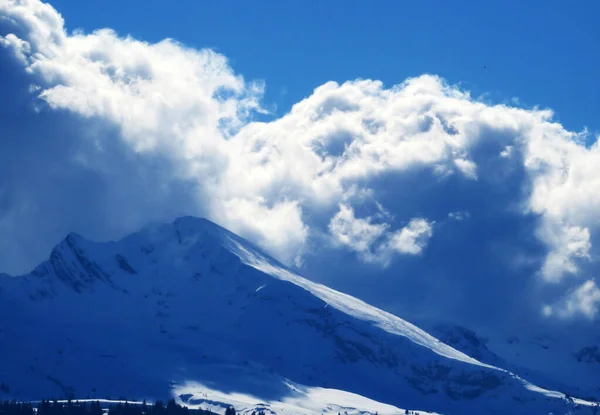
303, 401
386, 321
353, 306
101, 400
221, 322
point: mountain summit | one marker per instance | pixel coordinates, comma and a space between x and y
189, 309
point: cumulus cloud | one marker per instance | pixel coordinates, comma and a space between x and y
178, 124
507, 152
567, 243
189, 106
374, 242
413, 238
565, 192
584, 300
254, 219
358, 234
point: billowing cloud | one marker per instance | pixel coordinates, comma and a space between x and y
565, 192
374, 241
413, 238
584, 300
358, 234
567, 243
109, 133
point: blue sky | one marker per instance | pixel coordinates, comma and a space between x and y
544, 53
390, 151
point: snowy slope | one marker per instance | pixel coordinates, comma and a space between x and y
574, 357
300, 400
191, 310
558, 361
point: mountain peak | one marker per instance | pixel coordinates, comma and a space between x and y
72, 241
190, 303
191, 226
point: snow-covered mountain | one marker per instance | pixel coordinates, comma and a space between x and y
191, 310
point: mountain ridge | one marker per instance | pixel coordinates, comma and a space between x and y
153, 291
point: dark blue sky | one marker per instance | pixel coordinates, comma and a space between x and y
543, 52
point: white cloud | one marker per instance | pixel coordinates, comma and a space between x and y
19, 47
413, 238
584, 300
360, 235
566, 192
459, 215
373, 241
268, 180
253, 218
567, 243
189, 106
507, 152
467, 167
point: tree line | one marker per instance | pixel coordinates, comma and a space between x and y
47, 407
